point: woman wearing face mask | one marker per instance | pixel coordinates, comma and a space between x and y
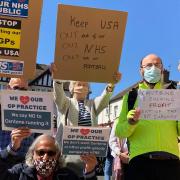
42, 162
78, 110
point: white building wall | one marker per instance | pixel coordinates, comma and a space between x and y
111, 112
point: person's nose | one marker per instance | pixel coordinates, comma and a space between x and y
45, 157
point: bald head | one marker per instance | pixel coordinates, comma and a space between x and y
151, 58
18, 83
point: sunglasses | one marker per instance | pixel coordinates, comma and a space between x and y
19, 88
42, 152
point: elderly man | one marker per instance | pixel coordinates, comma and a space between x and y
153, 144
42, 162
5, 136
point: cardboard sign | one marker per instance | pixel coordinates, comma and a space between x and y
19, 31
85, 140
88, 42
159, 104
27, 109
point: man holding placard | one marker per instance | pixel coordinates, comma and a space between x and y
153, 144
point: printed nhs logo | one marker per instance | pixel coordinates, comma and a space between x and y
11, 67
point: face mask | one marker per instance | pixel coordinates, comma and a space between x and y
152, 75
81, 90
45, 167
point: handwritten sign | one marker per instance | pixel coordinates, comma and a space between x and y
27, 109
17, 8
19, 31
88, 42
85, 140
159, 104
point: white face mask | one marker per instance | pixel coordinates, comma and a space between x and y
152, 75
81, 89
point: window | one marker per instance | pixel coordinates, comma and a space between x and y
115, 111
107, 111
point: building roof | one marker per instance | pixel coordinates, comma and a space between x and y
42, 70
121, 94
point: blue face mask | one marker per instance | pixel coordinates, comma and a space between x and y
152, 75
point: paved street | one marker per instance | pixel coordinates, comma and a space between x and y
100, 177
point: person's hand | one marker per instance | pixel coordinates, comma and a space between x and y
133, 116
53, 69
124, 157
17, 135
117, 77
90, 162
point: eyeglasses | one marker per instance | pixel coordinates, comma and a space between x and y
149, 65
42, 152
19, 88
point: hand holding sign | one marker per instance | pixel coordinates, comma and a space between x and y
133, 116
117, 77
17, 135
90, 162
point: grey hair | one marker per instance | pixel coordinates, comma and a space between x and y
29, 155
72, 84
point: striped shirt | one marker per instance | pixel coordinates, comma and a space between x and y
84, 115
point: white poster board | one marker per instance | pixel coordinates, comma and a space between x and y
85, 140
27, 109
159, 104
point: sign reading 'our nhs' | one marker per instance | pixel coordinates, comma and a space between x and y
18, 8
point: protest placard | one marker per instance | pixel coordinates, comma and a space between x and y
88, 43
17, 8
19, 31
159, 104
27, 109
85, 140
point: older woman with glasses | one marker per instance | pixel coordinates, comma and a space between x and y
42, 162
79, 110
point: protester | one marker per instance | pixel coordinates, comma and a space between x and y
78, 110
119, 151
5, 136
42, 162
108, 165
154, 153
109, 158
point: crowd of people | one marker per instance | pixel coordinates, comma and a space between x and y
140, 149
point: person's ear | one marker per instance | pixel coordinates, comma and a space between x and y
162, 70
141, 71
